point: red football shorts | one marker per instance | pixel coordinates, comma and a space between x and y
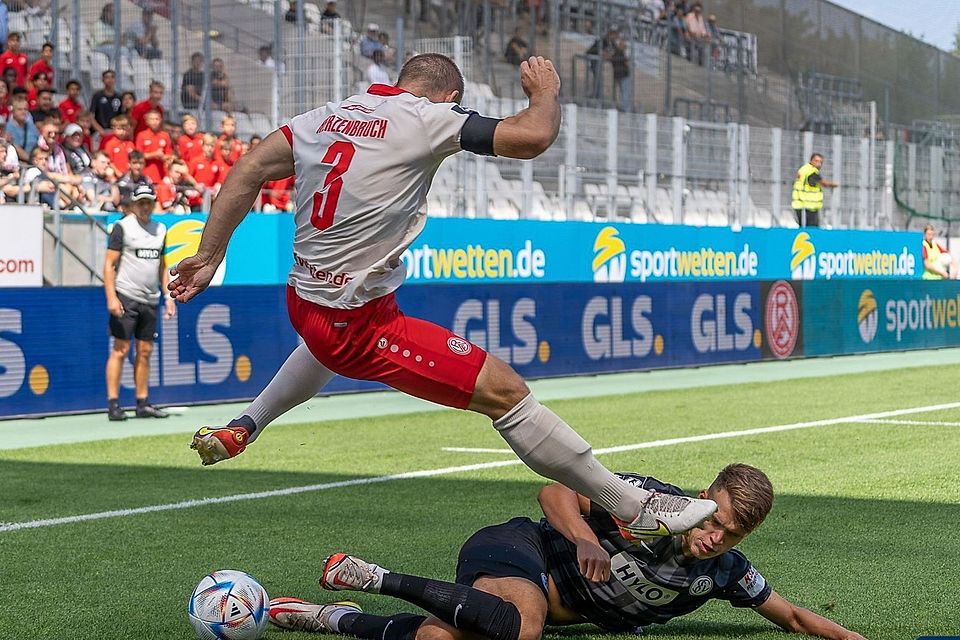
378, 342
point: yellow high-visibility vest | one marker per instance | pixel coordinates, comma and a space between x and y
805, 196
933, 253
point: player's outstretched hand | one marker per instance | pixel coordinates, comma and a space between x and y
593, 560
539, 78
191, 277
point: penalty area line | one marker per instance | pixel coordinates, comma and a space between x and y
430, 473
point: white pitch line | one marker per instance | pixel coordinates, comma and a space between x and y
922, 423
475, 450
429, 473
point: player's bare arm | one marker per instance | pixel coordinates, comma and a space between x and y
531, 132
272, 159
790, 617
110, 261
564, 509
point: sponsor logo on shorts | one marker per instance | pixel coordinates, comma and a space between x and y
782, 319
382, 343
701, 586
459, 346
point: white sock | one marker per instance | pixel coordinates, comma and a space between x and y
300, 378
550, 447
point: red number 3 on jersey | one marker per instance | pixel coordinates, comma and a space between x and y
340, 155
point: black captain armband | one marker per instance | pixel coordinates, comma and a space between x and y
476, 136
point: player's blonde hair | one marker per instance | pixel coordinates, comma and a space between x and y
750, 491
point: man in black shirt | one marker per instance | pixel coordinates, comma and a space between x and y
572, 567
191, 88
105, 103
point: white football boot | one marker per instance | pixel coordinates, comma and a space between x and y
300, 615
349, 573
665, 514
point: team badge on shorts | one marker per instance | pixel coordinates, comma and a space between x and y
459, 346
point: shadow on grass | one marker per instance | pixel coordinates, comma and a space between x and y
130, 576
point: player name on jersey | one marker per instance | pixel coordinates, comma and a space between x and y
358, 128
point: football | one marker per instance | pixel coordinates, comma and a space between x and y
228, 605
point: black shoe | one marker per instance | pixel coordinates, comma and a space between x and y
150, 411
115, 413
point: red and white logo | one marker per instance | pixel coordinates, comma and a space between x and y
382, 343
459, 346
782, 319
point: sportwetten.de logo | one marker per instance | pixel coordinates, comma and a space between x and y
609, 257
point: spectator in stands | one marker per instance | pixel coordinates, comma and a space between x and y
9, 175
679, 38
230, 147
13, 58
85, 121
191, 87
205, 168
600, 51
376, 72
807, 200
133, 178
622, 82
134, 285
44, 190
152, 103
699, 37
57, 168
173, 130
371, 41
330, 11
78, 158
21, 131
143, 36
102, 192
291, 14
275, 195
936, 258
38, 83
190, 141
45, 110
179, 192
389, 53
4, 21
119, 144
716, 40
222, 153
44, 63
103, 33
11, 160
517, 48
105, 103
266, 56
128, 100
156, 146
4, 102
70, 107
10, 79
221, 94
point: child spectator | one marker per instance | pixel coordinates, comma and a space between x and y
70, 107
222, 153
9, 176
156, 146
128, 100
178, 192
78, 158
44, 189
105, 103
86, 121
39, 82
13, 58
275, 195
4, 101
44, 63
101, 192
230, 148
205, 168
119, 145
190, 142
152, 103
129, 181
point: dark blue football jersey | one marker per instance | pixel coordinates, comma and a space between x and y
651, 581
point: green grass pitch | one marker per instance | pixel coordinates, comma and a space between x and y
863, 530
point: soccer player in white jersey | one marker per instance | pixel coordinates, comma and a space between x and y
362, 169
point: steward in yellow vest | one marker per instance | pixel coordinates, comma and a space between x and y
936, 260
807, 200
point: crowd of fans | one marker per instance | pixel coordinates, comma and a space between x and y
69, 154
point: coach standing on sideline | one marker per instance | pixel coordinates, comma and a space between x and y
808, 186
133, 277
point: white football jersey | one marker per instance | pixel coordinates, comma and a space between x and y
363, 168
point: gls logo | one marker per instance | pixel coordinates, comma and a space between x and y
479, 323
603, 329
803, 261
13, 363
610, 257
709, 328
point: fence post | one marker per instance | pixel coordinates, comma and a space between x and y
651, 165
116, 64
526, 175
679, 157
75, 54
836, 195
569, 167
863, 210
886, 203
733, 171
807, 146
776, 172
337, 60
173, 93
279, 61
911, 172
612, 128
936, 181
205, 27
743, 167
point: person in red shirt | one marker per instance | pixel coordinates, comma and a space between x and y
44, 63
190, 142
205, 168
156, 146
70, 106
228, 130
14, 59
86, 120
222, 154
152, 103
119, 143
275, 195
4, 102
39, 82
181, 192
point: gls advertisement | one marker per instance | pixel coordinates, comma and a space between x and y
229, 342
